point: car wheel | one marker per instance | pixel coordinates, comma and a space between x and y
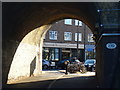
93, 69
45, 67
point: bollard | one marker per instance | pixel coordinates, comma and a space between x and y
66, 66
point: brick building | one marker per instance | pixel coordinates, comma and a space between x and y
66, 39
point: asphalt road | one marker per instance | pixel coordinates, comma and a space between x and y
75, 82
56, 79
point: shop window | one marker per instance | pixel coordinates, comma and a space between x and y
46, 53
54, 54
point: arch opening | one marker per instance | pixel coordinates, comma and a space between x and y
27, 60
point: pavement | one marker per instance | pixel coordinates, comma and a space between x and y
57, 79
46, 75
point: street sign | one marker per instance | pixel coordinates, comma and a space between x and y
89, 47
111, 45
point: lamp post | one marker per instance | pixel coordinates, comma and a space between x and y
77, 40
84, 42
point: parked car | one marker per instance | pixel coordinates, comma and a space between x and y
90, 64
46, 64
61, 64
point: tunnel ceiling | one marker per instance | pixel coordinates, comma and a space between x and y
21, 17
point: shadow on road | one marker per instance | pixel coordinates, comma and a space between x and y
76, 82
64, 82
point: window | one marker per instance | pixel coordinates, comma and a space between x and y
53, 35
67, 36
78, 22
45, 53
54, 54
68, 21
90, 39
79, 36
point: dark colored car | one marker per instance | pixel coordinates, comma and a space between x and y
90, 64
61, 64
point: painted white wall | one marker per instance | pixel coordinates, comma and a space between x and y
29, 48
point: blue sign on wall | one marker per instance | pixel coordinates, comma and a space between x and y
89, 47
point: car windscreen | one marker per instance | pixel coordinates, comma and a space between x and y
89, 61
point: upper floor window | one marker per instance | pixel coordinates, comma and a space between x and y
53, 35
68, 21
79, 36
78, 23
90, 38
67, 36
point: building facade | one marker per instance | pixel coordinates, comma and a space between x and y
68, 38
